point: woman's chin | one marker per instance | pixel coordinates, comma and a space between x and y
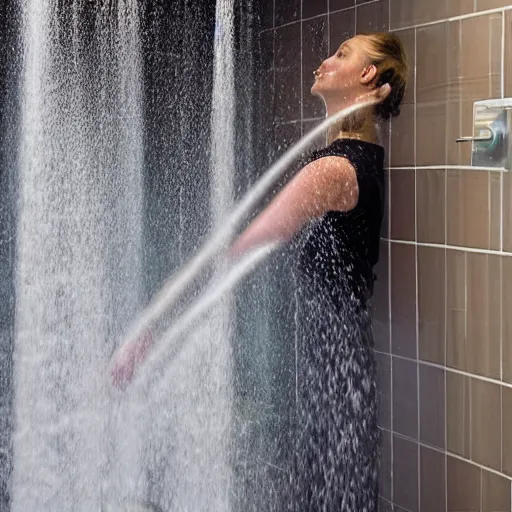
316, 90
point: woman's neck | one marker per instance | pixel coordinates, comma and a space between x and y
361, 125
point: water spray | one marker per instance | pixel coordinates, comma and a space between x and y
176, 285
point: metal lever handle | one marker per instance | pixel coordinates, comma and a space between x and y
477, 139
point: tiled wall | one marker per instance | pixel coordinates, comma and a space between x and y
443, 320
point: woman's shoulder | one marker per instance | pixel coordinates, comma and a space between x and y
361, 154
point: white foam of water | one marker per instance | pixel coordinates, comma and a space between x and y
78, 247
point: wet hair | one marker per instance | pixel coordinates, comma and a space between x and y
387, 53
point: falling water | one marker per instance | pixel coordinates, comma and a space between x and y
78, 245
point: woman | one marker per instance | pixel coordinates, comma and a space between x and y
333, 208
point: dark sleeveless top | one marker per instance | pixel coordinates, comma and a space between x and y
338, 251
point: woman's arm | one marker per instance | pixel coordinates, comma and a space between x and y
326, 184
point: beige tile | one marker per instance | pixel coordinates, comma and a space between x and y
430, 204
432, 65
403, 300
508, 53
372, 17
459, 7
402, 138
507, 430
506, 263
495, 212
486, 423
463, 486
405, 397
342, 26
467, 199
480, 70
384, 389
408, 38
334, 5
385, 473
507, 211
402, 194
455, 308
431, 133
381, 300
432, 480
458, 414
406, 13
482, 5
405, 474
431, 304
495, 493
432, 406
483, 343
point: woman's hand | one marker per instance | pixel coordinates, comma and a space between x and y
129, 357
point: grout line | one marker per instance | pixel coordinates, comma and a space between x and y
454, 455
355, 18
502, 179
501, 428
451, 369
452, 247
456, 18
451, 167
481, 490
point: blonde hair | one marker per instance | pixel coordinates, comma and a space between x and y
387, 53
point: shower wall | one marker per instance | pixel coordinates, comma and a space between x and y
442, 323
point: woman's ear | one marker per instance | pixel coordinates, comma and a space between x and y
368, 75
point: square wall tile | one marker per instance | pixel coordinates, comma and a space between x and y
408, 38
342, 26
507, 430
336, 5
381, 300
495, 492
431, 304
432, 406
314, 51
431, 205
405, 397
405, 474
468, 210
402, 188
384, 389
407, 13
432, 480
483, 329
506, 293
285, 136
482, 5
287, 11
287, 73
459, 7
403, 300
313, 8
266, 12
480, 70
432, 64
372, 17
385, 473
463, 486
455, 308
402, 138
508, 53
486, 423
458, 414
431, 133
507, 211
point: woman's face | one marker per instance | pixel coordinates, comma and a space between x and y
345, 74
